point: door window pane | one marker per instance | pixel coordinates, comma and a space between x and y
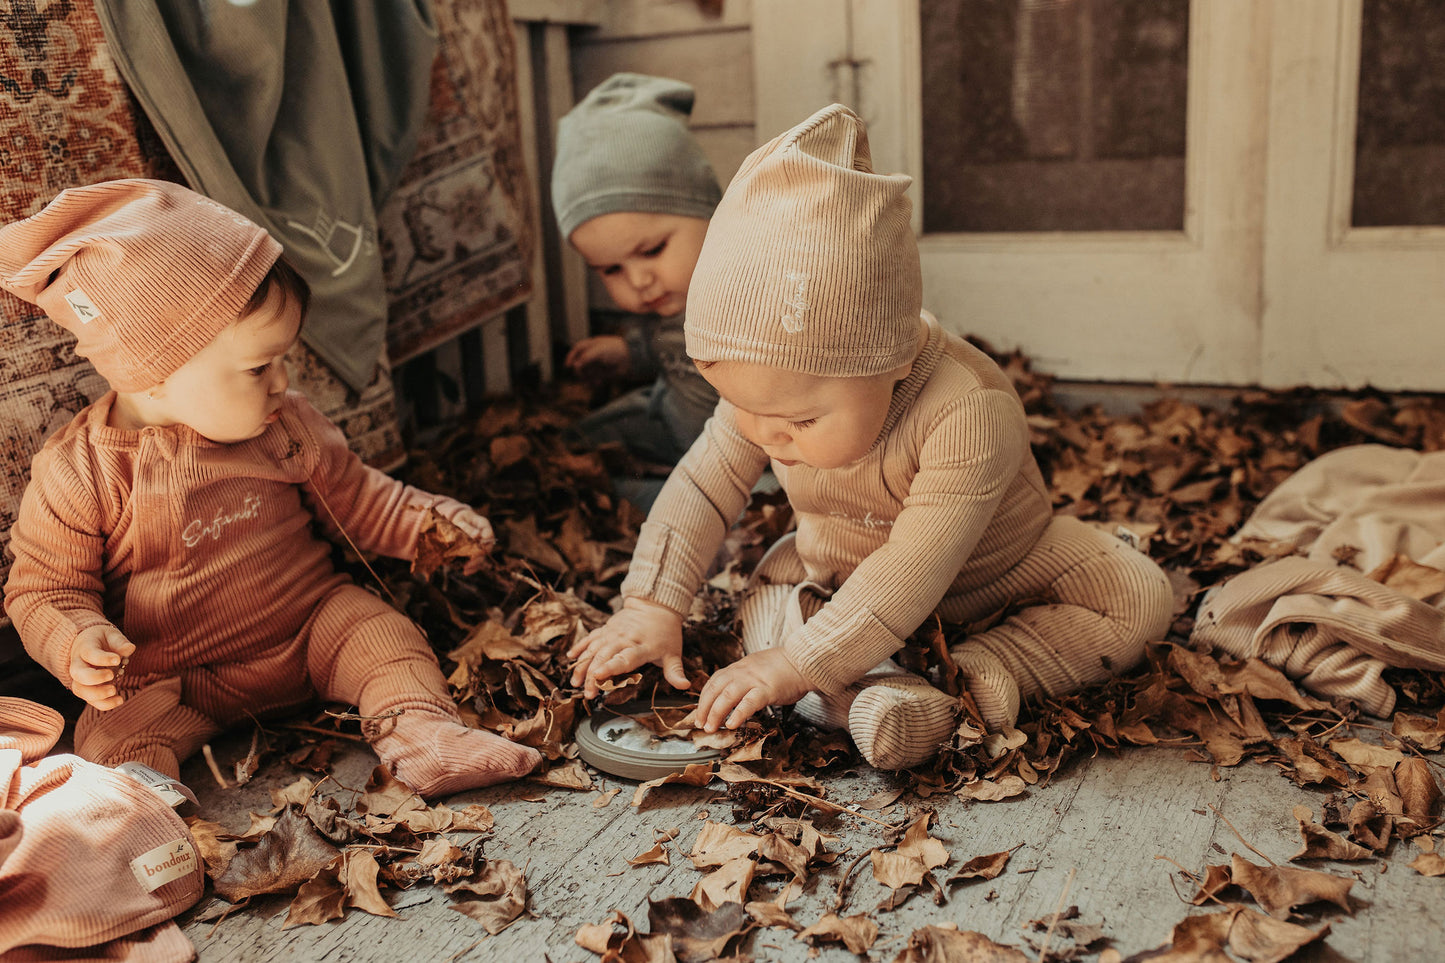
1400, 127
1054, 115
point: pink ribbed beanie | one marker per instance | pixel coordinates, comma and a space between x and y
809, 264
144, 273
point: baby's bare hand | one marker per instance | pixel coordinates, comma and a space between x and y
641, 632
477, 527
754, 682
97, 659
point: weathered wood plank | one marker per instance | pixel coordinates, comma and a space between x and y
1103, 820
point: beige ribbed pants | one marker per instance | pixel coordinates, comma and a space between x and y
1090, 603
355, 648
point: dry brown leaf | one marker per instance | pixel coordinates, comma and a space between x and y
982, 867
1363, 755
1263, 939
571, 774
500, 891
987, 790
895, 870
1279, 889
289, 854
657, 854
771, 914
1320, 843
857, 933
387, 795
440, 541
475, 818
1419, 794
1428, 864
601, 800
1408, 577
947, 944
359, 872
697, 774
298, 792
1216, 879
719, 843
1427, 733
1370, 827
215, 850
698, 936
321, 898
728, 883
918, 844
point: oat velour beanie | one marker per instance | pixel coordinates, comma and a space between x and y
810, 263
144, 273
626, 147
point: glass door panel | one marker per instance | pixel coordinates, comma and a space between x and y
1054, 115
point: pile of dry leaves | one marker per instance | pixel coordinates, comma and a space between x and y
1180, 477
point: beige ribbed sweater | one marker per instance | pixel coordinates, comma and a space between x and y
948, 499
200, 552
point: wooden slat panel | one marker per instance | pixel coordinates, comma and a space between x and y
718, 65
651, 18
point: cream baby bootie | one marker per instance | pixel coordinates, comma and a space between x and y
437, 755
901, 722
992, 685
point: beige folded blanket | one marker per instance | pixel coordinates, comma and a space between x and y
1369, 521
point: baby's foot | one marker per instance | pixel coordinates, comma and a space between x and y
992, 685
437, 755
898, 726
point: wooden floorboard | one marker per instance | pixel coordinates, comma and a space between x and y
1091, 837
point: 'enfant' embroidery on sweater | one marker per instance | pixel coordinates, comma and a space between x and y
197, 529
867, 521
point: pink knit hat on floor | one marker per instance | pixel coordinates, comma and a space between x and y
144, 273
809, 264
87, 854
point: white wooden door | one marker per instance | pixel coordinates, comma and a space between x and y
1262, 279
1354, 295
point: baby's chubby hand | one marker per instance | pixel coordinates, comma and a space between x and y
97, 659
639, 633
478, 528
735, 692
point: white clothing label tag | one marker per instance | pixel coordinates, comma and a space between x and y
164, 863
83, 307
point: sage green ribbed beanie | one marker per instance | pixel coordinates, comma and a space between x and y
626, 147
810, 263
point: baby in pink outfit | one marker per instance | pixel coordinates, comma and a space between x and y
166, 565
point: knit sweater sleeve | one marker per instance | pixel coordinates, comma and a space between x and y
970, 455
702, 497
377, 512
55, 588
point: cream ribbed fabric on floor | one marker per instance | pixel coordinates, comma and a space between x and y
1328, 625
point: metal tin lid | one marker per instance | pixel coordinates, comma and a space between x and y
615, 742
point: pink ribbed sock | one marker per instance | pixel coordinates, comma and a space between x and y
436, 754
